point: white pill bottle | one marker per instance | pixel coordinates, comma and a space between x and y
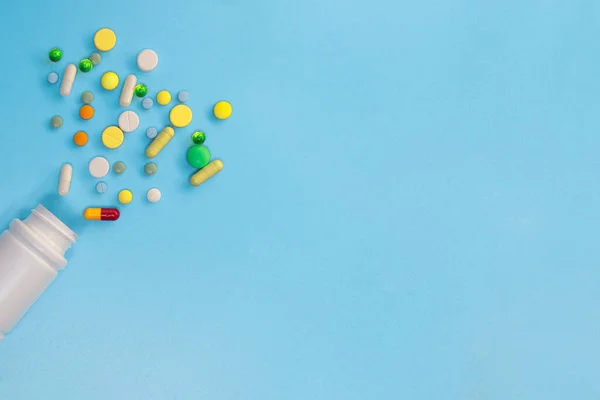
31, 254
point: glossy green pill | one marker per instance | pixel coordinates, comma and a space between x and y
119, 167
198, 137
85, 65
150, 168
55, 54
198, 156
140, 90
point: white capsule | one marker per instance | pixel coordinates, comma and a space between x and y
67, 81
64, 182
127, 92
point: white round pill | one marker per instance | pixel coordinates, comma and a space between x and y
101, 187
128, 121
183, 96
153, 195
147, 60
53, 77
151, 132
99, 167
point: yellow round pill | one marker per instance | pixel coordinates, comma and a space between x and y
112, 137
109, 81
222, 110
163, 97
125, 196
180, 116
105, 39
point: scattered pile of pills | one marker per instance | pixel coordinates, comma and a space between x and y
180, 116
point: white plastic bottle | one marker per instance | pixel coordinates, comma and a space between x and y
31, 254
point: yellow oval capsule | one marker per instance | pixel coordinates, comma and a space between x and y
206, 173
160, 142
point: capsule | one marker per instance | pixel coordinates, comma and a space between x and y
206, 173
160, 142
101, 214
64, 181
67, 81
127, 92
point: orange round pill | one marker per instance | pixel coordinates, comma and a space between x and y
86, 112
80, 138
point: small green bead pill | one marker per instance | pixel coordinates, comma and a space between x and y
150, 168
95, 58
140, 90
119, 167
198, 137
198, 156
87, 97
85, 65
55, 54
56, 121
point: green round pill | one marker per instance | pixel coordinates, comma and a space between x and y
198, 137
56, 121
85, 65
140, 90
55, 54
198, 156
119, 167
95, 58
87, 97
150, 168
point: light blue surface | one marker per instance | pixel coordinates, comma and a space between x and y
409, 207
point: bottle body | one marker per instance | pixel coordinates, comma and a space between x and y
31, 254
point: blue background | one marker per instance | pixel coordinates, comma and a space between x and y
409, 206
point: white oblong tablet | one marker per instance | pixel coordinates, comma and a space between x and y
153, 195
128, 121
67, 81
99, 167
64, 181
147, 60
127, 92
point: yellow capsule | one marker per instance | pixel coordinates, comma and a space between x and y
206, 173
160, 142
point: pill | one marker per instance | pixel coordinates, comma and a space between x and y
52, 77
67, 80
86, 65
140, 90
98, 167
125, 196
112, 137
198, 156
206, 173
101, 187
147, 103
86, 112
180, 116
183, 96
55, 54
160, 142
64, 181
222, 110
151, 132
109, 80
128, 121
153, 195
80, 138
56, 121
150, 168
198, 137
127, 91
163, 97
119, 167
95, 58
105, 39
147, 60
101, 214
87, 97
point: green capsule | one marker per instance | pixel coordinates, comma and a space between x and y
141, 90
198, 137
85, 65
198, 156
55, 54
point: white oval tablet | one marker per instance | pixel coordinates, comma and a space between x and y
99, 167
127, 91
64, 182
147, 60
153, 195
128, 121
67, 81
